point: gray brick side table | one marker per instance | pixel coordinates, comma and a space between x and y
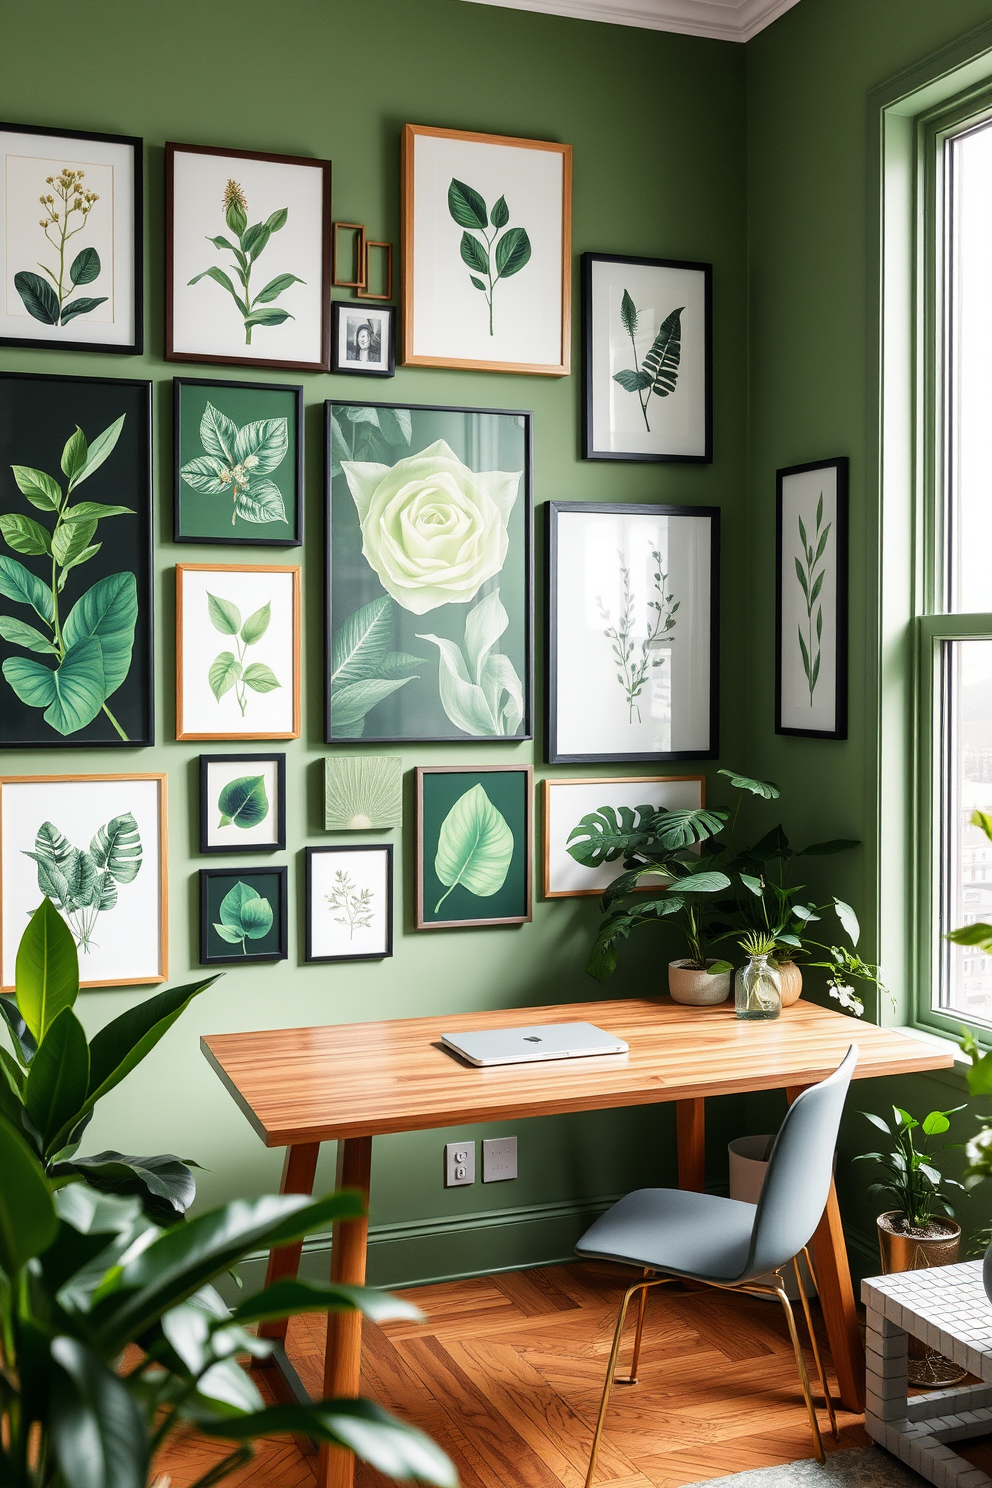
945, 1307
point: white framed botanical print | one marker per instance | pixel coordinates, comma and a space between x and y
615, 798
237, 651
242, 803
486, 251
633, 632
70, 239
349, 903
96, 846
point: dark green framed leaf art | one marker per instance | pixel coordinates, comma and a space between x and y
243, 915
75, 562
475, 838
238, 462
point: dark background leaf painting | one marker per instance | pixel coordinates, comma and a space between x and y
38, 416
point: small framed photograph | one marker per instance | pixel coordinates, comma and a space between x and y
647, 335
611, 800
362, 792
237, 651
474, 845
349, 903
487, 257
242, 803
243, 915
811, 600
70, 239
363, 339
96, 846
238, 463
247, 258
633, 632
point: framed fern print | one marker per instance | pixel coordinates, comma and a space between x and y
475, 839
811, 600
647, 332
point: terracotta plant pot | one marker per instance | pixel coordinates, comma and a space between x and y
791, 978
909, 1250
697, 988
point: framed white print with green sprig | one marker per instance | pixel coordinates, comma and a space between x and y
70, 239
349, 903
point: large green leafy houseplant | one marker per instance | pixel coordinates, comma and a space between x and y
911, 1176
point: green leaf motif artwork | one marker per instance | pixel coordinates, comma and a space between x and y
92, 645
635, 664
256, 310
362, 792
237, 463
84, 884
474, 847
364, 669
507, 254
480, 690
659, 372
243, 802
810, 572
228, 670
244, 915
65, 206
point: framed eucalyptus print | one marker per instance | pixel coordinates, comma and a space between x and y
349, 903
429, 573
475, 840
75, 562
633, 632
811, 600
70, 239
647, 335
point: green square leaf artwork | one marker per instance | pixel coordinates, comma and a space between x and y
362, 792
474, 846
242, 915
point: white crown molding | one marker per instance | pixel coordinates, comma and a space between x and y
721, 20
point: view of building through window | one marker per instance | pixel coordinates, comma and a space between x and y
967, 775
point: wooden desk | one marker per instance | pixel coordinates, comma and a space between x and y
352, 1081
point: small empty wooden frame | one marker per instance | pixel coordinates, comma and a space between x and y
363, 291
360, 256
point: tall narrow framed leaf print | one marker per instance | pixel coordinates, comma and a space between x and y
75, 562
429, 573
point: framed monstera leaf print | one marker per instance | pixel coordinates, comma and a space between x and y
429, 625
474, 845
75, 562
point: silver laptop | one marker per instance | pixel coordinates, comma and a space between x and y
528, 1045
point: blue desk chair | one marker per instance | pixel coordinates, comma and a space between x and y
727, 1244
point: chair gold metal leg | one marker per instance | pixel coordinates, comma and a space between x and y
821, 1456
827, 1400
642, 1287
631, 1379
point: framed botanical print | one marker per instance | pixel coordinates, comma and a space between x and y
70, 239
238, 462
487, 258
75, 562
242, 803
96, 846
613, 801
474, 845
362, 792
247, 258
363, 339
349, 903
811, 600
647, 344
249, 688
243, 916
429, 573
632, 632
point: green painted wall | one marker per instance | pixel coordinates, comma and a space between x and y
656, 125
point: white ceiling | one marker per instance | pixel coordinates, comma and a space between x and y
724, 20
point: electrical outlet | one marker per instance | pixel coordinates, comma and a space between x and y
459, 1164
499, 1159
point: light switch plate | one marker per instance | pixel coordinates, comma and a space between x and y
459, 1164
499, 1159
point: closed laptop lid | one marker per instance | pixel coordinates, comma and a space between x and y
535, 1042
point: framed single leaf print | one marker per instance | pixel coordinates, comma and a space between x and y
242, 803
96, 846
243, 915
349, 903
579, 815
70, 239
75, 562
429, 573
811, 600
248, 258
474, 845
238, 462
487, 259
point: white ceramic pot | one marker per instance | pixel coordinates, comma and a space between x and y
697, 988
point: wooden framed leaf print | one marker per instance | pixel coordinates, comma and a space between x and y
75, 562
244, 915
349, 903
96, 845
429, 573
487, 257
238, 462
474, 845
608, 803
242, 803
248, 258
811, 600
70, 239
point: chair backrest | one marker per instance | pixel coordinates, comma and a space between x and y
799, 1172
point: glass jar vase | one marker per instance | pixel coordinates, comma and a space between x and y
757, 990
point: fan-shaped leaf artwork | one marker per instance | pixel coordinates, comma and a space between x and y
81, 884
244, 915
475, 846
362, 793
243, 802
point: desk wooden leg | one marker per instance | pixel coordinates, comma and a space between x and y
343, 1357
840, 1315
690, 1123
298, 1173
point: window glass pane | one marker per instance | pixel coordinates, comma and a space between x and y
966, 784
970, 372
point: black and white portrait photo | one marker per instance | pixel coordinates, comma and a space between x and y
363, 339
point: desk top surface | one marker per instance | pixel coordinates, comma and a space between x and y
299, 1085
